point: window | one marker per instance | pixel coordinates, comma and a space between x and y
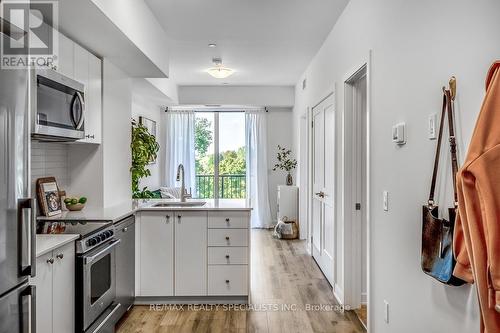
220, 155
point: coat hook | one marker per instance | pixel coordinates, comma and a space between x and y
453, 87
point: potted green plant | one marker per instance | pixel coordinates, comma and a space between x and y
285, 163
144, 150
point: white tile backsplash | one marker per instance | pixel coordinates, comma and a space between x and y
50, 159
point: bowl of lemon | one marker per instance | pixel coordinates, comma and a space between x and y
75, 203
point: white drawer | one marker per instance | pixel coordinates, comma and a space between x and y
228, 255
228, 219
227, 280
227, 237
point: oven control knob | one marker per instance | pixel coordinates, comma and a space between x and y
92, 241
109, 233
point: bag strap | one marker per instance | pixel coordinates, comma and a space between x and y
447, 106
453, 147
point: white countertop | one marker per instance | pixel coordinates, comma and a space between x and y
118, 212
47, 243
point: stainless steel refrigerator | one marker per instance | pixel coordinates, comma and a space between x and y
17, 223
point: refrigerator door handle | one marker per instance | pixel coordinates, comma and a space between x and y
26, 207
31, 292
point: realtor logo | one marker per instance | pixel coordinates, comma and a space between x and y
28, 37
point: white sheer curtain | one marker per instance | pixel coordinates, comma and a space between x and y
257, 182
180, 147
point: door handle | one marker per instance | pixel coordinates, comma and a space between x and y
321, 194
24, 206
31, 292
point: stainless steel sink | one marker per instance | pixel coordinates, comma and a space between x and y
180, 204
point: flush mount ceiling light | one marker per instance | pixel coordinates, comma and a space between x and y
219, 71
212, 45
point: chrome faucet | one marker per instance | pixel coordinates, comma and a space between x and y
180, 177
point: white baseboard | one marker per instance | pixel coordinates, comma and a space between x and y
364, 298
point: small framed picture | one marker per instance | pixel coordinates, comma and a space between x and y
150, 126
49, 199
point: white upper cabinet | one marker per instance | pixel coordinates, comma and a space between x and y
81, 65
93, 115
65, 56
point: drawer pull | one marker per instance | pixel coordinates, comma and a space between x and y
167, 219
227, 256
227, 219
60, 256
227, 238
50, 261
227, 281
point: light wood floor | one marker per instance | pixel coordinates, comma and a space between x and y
282, 273
362, 314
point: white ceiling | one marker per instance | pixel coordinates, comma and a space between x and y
267, 42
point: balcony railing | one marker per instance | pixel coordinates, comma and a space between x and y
230, 186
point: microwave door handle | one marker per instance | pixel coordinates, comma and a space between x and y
82, 116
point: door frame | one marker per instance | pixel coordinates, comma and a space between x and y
352, 222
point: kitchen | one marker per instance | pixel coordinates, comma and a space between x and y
81, 271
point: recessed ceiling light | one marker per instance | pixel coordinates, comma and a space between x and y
212, 45
219, 71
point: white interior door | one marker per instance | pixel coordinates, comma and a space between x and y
323, 210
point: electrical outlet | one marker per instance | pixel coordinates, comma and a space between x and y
386, 311
385, 200
432, 126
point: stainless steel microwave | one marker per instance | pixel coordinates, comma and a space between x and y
58, 105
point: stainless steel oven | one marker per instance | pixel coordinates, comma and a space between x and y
58, 106
96, 276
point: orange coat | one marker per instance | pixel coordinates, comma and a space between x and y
477, 229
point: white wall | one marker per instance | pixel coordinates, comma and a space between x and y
270, 96
139, 24
416, 47
279, 132
143, 107
117, 101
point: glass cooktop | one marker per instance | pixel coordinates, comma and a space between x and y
82, 228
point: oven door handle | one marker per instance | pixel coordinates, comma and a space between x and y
89, 260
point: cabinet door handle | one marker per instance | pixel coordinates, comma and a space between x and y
179, 217
227, 281
227, 219
167, 219
227, 256
50, 261
125, 229
227, 238
60, 256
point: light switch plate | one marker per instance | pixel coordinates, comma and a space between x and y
399, 134
432, 125
385, 200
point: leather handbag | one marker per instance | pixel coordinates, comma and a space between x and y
437, 258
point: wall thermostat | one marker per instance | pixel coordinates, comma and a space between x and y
399, 133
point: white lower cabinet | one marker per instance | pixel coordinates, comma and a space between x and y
55, 289
190, 253
187, 253
228, 280
156, 254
